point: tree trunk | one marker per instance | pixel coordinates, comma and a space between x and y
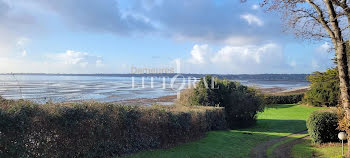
342, 64
342, 61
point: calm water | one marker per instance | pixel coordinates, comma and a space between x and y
56, 88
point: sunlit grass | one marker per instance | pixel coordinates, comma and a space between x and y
276, 121
309, 150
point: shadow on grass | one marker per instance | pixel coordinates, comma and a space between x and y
277, 126
280, 106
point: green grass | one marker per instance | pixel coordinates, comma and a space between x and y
308, 150
276, 121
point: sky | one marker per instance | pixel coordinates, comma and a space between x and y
112, 36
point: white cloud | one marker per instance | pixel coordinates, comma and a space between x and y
81, 59
293, 63
22, 41
324, 48
24, 53
99, 63
322, 57
240, 40
252, 19
67, 62
255, 7
199, 54
249, 59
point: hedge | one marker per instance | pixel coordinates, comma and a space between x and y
241, 103
283, 99
99, 129
322, 126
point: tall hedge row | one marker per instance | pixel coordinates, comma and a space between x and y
99, 130
283, 99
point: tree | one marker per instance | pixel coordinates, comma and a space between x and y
324, 89
326, 20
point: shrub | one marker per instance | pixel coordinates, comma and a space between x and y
322, 126
187, 98
99, 129
241, 105
324, 89
240, 102
283, 99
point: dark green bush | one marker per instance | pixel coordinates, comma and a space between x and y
324, 89
283, 99
322, 126
99, 130
240, 102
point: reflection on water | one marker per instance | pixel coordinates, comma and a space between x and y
56, 88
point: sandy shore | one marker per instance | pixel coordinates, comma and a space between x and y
149, 101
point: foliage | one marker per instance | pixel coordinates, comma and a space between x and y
283, 99
276, 121
240, 102
322, 126
324, 89
99, 129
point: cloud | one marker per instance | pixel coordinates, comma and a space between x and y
249, 59
24, 53
92, 15
67, 62
322, 57
199, 54
15, 25
255, 6
195, 20
73, 58
252, 19
205, 21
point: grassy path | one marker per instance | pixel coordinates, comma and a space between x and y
275, 122
283, 149
278, 148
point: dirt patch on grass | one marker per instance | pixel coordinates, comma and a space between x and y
285, 150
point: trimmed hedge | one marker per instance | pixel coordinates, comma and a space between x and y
99, 129
322, 126
283, 99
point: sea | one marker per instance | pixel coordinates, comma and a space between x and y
56, 88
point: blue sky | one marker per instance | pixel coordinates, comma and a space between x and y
111, 36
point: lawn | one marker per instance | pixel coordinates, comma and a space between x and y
276, 121
309, 150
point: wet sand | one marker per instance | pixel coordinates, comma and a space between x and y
170, 99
